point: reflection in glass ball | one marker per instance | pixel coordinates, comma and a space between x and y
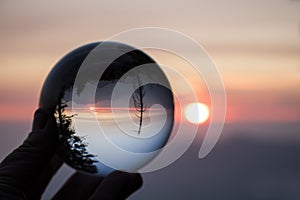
127, 99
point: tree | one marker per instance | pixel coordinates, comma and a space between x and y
72, 148
138, 100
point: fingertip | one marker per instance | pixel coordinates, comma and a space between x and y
83, 184
137, 180
118, 185
41, 117
134, 180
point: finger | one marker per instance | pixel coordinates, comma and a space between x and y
20, 169
79, 186
39, 186
118, 185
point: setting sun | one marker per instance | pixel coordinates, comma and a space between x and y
196, 113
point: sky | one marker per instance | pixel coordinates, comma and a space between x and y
255, 45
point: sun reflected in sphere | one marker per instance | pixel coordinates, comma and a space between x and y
196, 113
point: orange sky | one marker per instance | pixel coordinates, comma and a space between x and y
255, 44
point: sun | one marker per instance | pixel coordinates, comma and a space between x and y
92, 108
196, 113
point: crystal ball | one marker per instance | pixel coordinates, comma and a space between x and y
114, 107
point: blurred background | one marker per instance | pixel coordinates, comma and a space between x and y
255, 45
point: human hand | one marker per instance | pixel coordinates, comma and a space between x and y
25, 173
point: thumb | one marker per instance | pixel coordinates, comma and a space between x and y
40, 119
44, 133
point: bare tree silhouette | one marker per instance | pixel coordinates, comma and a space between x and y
72, 147
138, 100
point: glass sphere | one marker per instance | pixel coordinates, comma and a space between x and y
114, 107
